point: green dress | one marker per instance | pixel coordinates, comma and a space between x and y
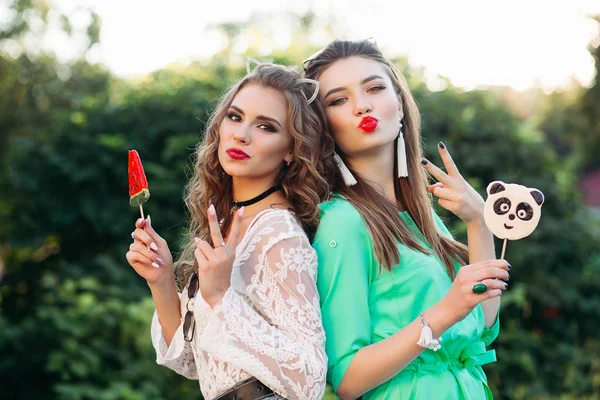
362, 305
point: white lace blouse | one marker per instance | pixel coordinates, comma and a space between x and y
268, 324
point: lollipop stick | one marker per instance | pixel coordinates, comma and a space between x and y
503, 249
142, 212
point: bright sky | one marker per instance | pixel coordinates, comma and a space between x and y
473, 42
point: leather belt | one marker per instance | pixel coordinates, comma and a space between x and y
251, 389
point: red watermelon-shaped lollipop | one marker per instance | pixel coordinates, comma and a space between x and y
138, 185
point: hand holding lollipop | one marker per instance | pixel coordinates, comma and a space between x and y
138, 185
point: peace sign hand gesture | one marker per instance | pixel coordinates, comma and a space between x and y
215, 264
453, 191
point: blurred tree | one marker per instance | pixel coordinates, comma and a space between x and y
70, 307
570, 120
590, 106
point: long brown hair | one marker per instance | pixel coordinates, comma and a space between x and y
381, 216
303, 180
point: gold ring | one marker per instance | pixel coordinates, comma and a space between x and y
220, 245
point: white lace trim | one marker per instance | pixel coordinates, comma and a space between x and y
268, 324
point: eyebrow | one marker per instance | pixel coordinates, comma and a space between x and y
261, 117
339, 89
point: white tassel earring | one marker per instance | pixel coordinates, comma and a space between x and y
401, 155
349, 179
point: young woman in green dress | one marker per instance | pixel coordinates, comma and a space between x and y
407, 311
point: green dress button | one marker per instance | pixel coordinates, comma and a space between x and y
332, 243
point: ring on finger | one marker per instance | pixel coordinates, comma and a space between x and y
220, 245
479, 288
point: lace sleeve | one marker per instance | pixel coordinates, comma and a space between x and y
179, 356
273, 330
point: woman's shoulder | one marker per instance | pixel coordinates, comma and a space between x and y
339, 209
441, 224
275, 222
340, 217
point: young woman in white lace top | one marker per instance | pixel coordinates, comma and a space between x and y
247, 322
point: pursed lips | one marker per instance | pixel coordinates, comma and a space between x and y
368, 124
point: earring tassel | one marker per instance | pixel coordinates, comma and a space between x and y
349, 179
402, 166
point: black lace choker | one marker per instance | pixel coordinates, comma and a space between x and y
238, 204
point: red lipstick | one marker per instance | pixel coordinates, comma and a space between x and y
237, 154
368, 124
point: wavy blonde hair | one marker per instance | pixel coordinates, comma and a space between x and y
303, 180
381, 215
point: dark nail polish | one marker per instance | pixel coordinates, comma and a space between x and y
442, 145
424, 161
505, 285
509, 266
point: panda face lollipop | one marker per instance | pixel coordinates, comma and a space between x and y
512, 211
